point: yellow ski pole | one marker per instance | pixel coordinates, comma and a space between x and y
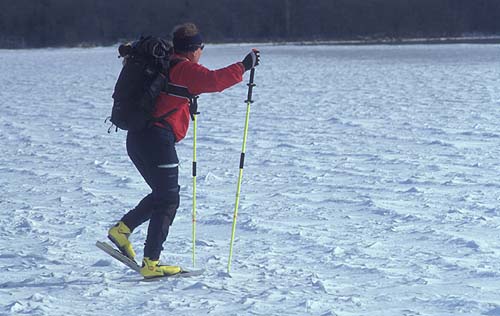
194, 190
194, 112
242, 161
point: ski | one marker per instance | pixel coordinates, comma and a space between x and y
182, 274
110, 250
132, 264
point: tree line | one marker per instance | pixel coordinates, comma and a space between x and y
42, 23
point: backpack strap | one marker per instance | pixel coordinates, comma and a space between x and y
179, 91
173, 89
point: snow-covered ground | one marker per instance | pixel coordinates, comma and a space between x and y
371, 186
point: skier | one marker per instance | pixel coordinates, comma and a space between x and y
152, 150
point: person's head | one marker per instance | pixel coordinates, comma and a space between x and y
188, 41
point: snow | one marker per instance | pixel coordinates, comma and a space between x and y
370, 186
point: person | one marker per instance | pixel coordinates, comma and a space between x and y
152, 150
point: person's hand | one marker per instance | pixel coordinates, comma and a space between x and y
252, 59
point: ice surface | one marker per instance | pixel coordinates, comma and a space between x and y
371, 186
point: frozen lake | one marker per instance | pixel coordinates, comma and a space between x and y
371, 186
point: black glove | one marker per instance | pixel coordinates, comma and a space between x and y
252, 59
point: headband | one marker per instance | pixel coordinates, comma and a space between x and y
188, 44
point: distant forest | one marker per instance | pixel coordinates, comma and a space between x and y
42, 23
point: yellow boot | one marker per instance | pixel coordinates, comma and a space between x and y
152, 269
118, 234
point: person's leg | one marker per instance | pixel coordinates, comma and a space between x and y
139, 148
166, 199
165, 195
119, 233
153, 153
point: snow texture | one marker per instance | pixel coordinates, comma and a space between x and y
371, 186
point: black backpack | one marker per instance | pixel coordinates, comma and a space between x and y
143, 76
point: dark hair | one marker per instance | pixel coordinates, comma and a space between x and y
185, 30
186, 38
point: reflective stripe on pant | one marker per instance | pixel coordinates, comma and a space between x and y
153, 153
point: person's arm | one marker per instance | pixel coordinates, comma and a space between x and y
200, 79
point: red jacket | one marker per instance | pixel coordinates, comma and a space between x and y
197, 79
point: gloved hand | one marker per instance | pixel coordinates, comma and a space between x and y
252, 59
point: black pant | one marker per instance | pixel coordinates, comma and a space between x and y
152, 151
